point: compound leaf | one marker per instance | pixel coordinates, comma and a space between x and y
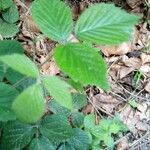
29, 106
21, 63
105, 24
54, 19
82, 63
59, 89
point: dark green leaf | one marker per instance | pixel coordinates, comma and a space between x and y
11, 15
105, 24
8, 30
59, 89
5, 4
16, 136
56, 128
82, 63
29, 106
54, 19
41, 143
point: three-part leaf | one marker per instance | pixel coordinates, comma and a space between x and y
82, 63
105, 24
29, 106
53, 18
59, 89
16, 136
21, 63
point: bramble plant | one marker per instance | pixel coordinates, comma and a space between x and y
26, 117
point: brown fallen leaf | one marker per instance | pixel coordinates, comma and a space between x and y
145, 58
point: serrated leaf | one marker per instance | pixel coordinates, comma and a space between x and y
77, 119
29, 106
8, 30
56, 108
54, 19
21, 63
79, 100
82, 63
11, 15
105, 24
7, 95
80, 140
41, 143
6, 115
16, 136
10, 47
56, 128
59, 89
5, 4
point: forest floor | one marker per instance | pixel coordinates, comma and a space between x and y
128, 67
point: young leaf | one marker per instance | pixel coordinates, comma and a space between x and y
16, 136
29, 106
4, 4
11, 15
80, 140
21, 63
82, 63
59, 90
54, 19
7, 95
41, 143
105, 24
8, 30
56, 128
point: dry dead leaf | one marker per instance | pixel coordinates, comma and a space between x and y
147, 87
145, 58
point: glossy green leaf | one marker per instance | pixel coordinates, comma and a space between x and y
41, 143
29, 106
5, 4
59, 89
105, 24
11, 15
16, 136
54, 19
21, 63
7, 95
82, 63
8, 30
56, 128
80, 140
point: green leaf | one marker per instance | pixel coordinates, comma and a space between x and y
59, 89
5, 4
11, 15
21, 63
56, 128
8, 30
10, 47
77, 119
79, 100
16, 136
105, 24
89, 121
6, 115
54, 19
56, 108
80, 140
82, 63
7, 95
109, 141
41, 143
66, 146
114, 128
29, 106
